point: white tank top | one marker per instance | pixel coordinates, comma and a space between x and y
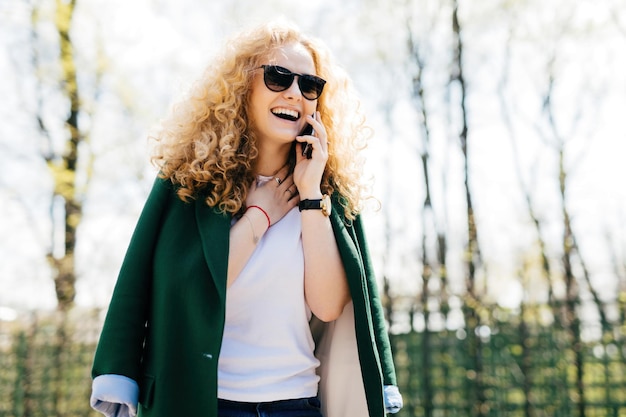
267, 350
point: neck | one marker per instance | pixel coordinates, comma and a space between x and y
270, 161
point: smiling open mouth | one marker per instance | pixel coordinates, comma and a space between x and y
286, 114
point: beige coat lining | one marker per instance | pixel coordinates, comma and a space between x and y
341, 388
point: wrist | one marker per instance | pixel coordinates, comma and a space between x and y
310, 195
259, 213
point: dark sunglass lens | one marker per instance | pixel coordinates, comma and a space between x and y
277, 78
311, 86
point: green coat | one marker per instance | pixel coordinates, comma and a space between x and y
165, 321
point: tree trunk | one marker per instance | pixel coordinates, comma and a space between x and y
63, 169
472, 318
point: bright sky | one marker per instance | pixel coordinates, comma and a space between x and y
155, 49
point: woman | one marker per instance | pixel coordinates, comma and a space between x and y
247, 287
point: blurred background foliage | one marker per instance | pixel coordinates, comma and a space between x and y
496, 159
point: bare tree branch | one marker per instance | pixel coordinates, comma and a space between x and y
525, 189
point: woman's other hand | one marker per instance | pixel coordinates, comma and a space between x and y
276, 197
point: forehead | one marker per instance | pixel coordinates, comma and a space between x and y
293, 56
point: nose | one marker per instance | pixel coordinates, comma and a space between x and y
294, 90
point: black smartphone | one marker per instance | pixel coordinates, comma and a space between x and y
307, 149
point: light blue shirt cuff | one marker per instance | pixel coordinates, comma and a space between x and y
114, 396
393, 399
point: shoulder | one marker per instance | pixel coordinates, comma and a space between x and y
161, 197
162, 187
165, 189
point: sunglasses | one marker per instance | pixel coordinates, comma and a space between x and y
279, 79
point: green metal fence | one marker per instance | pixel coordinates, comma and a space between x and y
522, 370
45, 364
518, 369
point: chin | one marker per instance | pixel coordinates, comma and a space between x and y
286, 136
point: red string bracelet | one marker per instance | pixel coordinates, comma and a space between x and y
264, 212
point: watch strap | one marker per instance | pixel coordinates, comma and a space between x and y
310, 204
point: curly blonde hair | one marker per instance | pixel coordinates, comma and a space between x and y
206, 148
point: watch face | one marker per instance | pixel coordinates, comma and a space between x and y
326, 206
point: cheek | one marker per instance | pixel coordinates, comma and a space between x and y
259, 99
254, 108
256, 91
310, 107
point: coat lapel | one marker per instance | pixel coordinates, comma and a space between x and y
214, 229
349, 252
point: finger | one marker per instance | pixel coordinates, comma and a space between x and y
320, 129
278, 180
320, 132
281, 175
299, 155
284, 184
288, 194
292, 189
323, 137
288, 182
295, 199
315, 122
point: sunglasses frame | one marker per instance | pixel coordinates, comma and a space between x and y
287, 74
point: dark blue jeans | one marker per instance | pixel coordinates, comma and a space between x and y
303, 407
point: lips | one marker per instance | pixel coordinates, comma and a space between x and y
287, 114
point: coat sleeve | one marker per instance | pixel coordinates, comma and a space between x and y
114, 396
378, 315
119, 349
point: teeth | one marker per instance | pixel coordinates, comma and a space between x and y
287, 112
